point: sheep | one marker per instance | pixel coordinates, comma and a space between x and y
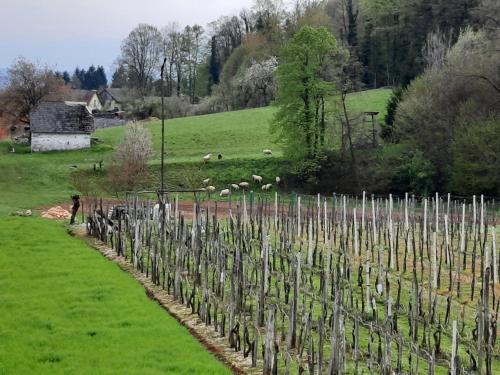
278, 180
235, 187
225, 193
207, 157
210, 188
244, 184
267, 151
267, 187
206, 181
257, 179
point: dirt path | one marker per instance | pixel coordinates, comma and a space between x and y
223, 208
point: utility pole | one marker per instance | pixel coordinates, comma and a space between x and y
162, 188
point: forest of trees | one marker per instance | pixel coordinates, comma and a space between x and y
385, 39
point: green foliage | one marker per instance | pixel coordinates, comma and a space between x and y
450, 97
303, 91
387, 133
80, 314
476, 152
415, 175
395, 32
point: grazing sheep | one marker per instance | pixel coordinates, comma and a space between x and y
244, 184
225, 193
210, 188
235, 187
267, 187
257, 179
207, 157
267, 151
206, 181
278, 180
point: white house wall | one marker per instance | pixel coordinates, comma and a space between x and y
49, 142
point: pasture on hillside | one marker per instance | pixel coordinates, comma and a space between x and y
32, 180
65, 309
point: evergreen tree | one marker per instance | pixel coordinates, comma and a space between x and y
214, 65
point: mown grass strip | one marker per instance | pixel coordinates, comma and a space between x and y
66, 310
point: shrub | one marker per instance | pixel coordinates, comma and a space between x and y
476, 151
130, 168
414, 175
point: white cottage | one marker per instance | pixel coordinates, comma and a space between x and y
85, 97
60, 126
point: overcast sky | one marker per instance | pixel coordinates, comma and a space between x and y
67, 33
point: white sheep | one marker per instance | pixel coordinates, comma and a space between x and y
206, 181
225, 193
207, 157
244, 184
267, 187
257, 178
267, 151
235, 187
211, 188
278, 180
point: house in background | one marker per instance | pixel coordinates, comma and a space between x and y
112, 99
88, 98
60, 126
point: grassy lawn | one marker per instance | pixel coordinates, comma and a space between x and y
65, 309
31, 180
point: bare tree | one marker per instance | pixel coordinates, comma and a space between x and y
171, 43
191, 42
140, 54
28, 84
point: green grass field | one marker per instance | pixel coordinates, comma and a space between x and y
65, 309
32, 180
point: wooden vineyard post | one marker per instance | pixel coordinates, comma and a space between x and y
453, 369
269, 364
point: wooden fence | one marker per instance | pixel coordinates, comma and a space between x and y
327, 285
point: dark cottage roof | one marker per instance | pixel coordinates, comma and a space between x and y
59, 117
116, 94
73, 95
80, 95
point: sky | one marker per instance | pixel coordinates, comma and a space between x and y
69, 33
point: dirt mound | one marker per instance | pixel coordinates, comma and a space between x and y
56, 213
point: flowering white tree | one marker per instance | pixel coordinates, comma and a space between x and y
131, 158
258, 81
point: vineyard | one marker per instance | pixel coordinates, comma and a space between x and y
325, 285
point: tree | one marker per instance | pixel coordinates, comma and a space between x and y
171, 52
120, 77
28, 84
66, 77
91, 79
304, 86
450, 97
191, 42
258, 82
131, 159
140, 55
